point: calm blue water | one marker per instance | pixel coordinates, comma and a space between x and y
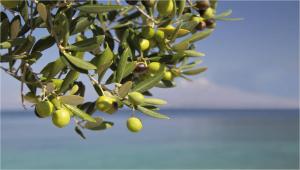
193, 139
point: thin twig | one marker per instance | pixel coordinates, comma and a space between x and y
94, 81
24, 69
145, 14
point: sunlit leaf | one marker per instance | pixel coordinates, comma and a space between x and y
76, 111
152, 113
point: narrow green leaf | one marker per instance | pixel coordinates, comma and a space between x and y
154, 101
76, 111
26, 46
3, 30
53, 68
80, 24
15, 27
190, 65
79, 62
43, 43
42, 10
180, 7
195, 71
24, 10
223, 14
199, 36
229, 19
181, 46
79, 132
103, 61
124, 89
193, 53
72, 99
122, 64
100, 8
69, 80
150, 82
87, 44
152, 113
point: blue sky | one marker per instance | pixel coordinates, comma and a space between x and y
252, 63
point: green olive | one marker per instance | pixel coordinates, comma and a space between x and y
10, 3
209, 13
144, 44
160, 35
148, 32
61, 118
168, 76
154, 67
203, 4
107, 104
165, 7
44, 108
136, 98
197, 19
57, 83
134, 124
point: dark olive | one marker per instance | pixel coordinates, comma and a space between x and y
148, 3
201, 26
210, 23
203, 4
132, 2
201, 12
140, 67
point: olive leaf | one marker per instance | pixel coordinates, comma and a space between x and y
4, 32
100, 124
72, 99
42, 10
53, 68
87, 44
195, 37
24, 10
80, 24
181, 46
193, 53
180, 6
79, 62
199, 36
150, 82
190, 65
124, 89
194, 71
26, 46
43, 43
69, 80
223, 14
151, 113
100, 8
103, 61
15, 27
122, 64
76, 111
154, 101
79, 132
12, 43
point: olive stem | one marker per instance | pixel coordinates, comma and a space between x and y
94, 81
22, 87
145, 14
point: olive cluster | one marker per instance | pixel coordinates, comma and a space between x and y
132, 49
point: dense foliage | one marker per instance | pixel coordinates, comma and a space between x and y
124, 48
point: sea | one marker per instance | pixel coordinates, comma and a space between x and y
191, 139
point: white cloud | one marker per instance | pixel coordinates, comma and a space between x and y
202, 93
